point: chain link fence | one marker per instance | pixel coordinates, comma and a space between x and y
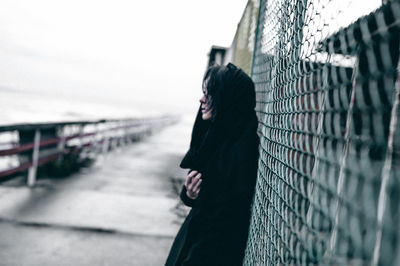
326, 75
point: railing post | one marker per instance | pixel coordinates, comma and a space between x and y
98, 139
80, 143
94, 142
35, 158
121, 134
106, 141
61, 144
126, 133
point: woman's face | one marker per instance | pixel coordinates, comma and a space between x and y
206, 105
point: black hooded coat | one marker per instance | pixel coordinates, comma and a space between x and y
225, 151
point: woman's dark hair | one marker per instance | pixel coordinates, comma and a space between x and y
231, 95
225, 86
213, 81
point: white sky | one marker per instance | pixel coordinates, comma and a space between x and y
152, 52
148, 54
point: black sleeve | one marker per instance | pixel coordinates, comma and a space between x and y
185, 199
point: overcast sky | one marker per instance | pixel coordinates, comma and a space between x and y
152, 52
128, 53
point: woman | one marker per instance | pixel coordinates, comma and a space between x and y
222, 162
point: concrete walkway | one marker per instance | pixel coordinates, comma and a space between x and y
121, 211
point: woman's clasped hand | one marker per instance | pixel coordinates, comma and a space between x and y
192, 183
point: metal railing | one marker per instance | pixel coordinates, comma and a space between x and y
42, 143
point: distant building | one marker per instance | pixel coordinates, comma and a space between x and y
216, 55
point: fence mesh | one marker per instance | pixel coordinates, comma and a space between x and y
327, 101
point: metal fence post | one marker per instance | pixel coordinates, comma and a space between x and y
61, 144
35, 158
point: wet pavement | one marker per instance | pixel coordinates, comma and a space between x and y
123, 210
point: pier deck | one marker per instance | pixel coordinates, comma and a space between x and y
120, 211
